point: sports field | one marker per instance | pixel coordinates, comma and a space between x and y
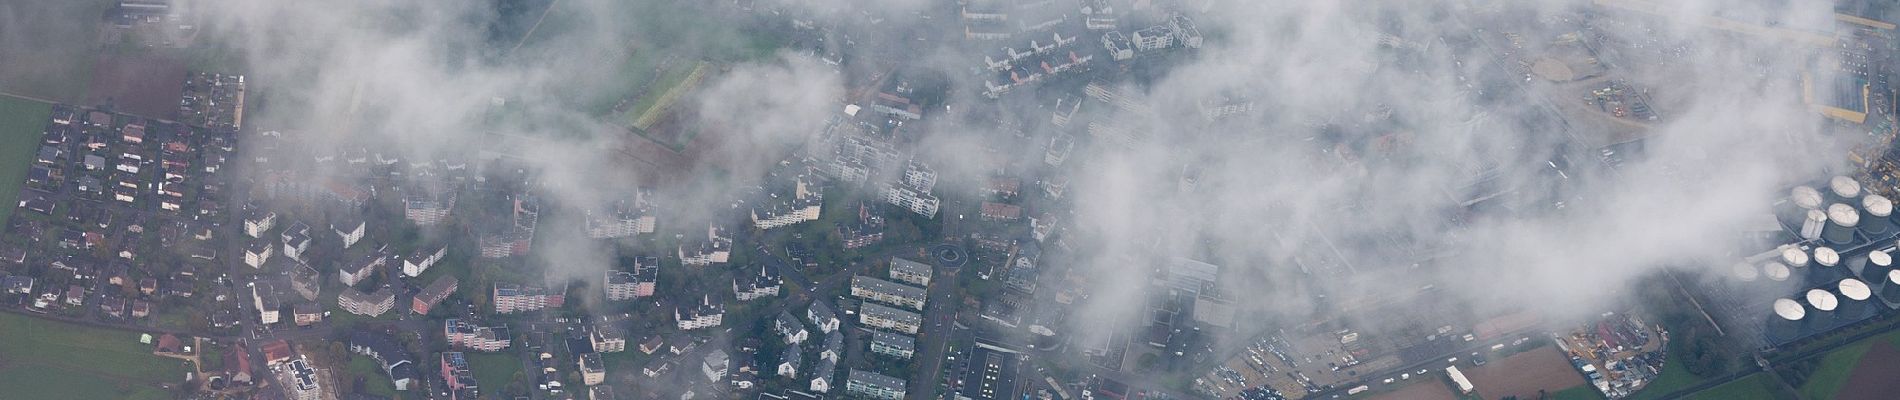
21, 122
494, 370
44, 359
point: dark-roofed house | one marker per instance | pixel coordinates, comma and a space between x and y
822, 316
389, 355
789, 360
788, 326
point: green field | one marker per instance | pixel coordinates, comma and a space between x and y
1752, 387
43, 359
493, 370
665, 91
21, 122
50, 47
374, 381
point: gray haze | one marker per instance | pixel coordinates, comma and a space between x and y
1353, 151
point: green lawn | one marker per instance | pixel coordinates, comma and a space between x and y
374, 381
21, 122
1752, 387
493, 370
1580, 392
42, 359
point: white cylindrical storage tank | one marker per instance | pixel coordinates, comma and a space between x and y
1805, 197
1789, 316
1823, 304
1854, 295
1879, 215
1826, 257
1813, 224
1891, 290
1878, 264
1775, 271
1794, 257
1841, 220
1745, 272
1844, 188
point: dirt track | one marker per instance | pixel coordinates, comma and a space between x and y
1873, 378
1523, 374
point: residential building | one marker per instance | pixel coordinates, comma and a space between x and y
602, 392
911, 272
868, 230
789, 360
706, 314
994, 211
804, 203
716, 365
389, 354
822, 374
1098, 15
371, 304
463, 335
428, 207
433, 294
356, 271
765, 284
608, 338
306, 281
916, 201
788, 327
305, 314
878, 316
296, 240
887, 292
457, 376
629, 285
593, 371
264, 298
874, 385
621, 218
716, 249
422, 259
1153, 38
257, 253
257, 222
833, 348
509, 298
822, 316
893, 345
349, 229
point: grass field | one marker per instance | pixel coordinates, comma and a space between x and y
42, 359
493, 370
374, 382
21, 122
666, 90
1752, 387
